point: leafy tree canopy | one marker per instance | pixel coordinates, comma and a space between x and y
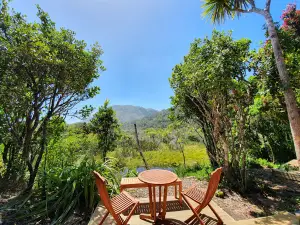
105, 124
45, 72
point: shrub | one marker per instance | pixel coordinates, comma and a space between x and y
261, 163
62, 191
197, 170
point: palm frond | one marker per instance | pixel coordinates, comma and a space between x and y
219, 10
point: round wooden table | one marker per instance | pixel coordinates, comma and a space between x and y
160, 178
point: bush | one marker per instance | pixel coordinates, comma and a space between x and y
261, 163
62, 191
197, 170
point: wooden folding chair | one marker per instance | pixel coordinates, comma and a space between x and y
117, 205
202, 197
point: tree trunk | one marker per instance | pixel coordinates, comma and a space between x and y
139, 148
289, 95
33, 170
5, 153
9, 173
183, 156
225, 146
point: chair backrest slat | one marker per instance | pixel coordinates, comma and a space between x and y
212, 187
101, 185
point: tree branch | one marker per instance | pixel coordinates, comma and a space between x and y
268, 4
252, 3
244, 11
253, 9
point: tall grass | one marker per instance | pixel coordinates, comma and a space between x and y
164, 157
61, 192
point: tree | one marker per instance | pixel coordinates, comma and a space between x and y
45, 72
177, 132
210, 88
270, 116
219, 10
105, 125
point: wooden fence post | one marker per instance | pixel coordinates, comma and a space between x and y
139, 147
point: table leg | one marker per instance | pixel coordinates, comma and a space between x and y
147, 216
165, 202
154, 204
159, 199
150, 200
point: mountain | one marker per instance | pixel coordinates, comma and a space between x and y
158, 120
130, 113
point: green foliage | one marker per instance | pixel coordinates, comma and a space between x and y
269, 109
131, 173
45, 72
219, 10
63, 190
73, 144
200, 171
261, 163
126, 146
105, 125
211, 89
279, 68
164, 157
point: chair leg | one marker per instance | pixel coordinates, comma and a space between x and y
196, 212
154, 203
103, 218
130, 214
220, 221
175, 191
194, 221
191, 218
180, 195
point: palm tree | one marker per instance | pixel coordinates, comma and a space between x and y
219, 10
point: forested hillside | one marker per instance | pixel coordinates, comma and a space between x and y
159, 120
128, 113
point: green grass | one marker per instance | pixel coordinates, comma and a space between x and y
194, 153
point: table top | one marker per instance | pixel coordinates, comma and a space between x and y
158, 177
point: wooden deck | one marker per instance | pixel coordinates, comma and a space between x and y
176, 214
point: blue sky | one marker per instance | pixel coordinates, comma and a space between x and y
142, 40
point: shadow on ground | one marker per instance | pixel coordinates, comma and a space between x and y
171, 207
206, 219
272, 194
